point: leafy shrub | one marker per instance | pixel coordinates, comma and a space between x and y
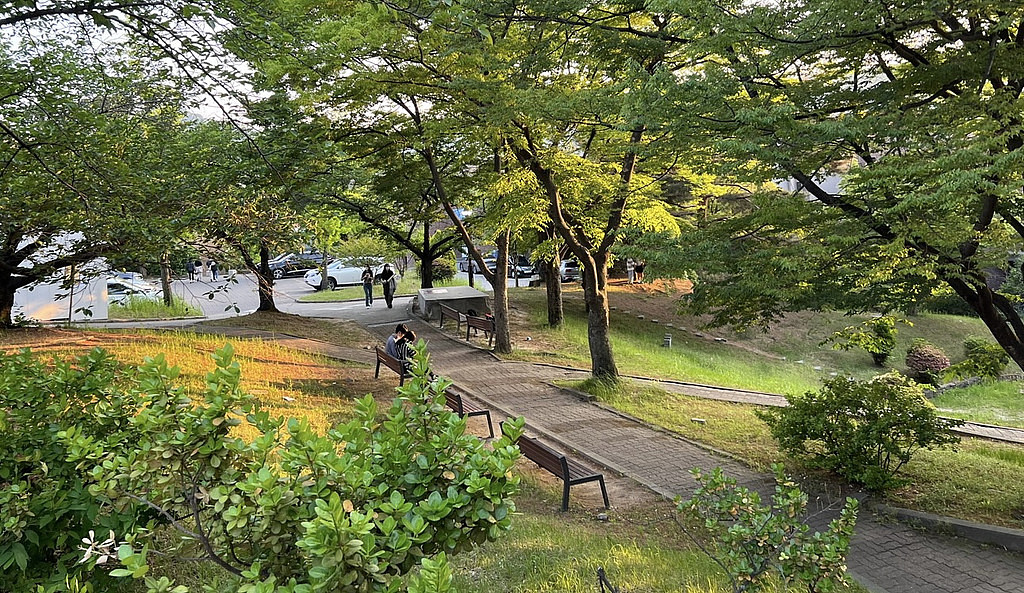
754, 542
876, 336
292, 510
983, 359
443, 268
45, 508
926, 361
864, 430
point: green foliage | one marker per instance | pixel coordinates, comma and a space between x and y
754, 542
876, 336
926, 361
864, 430
45, 507
984, 359
291, 510
443, 268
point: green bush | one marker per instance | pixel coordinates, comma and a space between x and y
864, 430
443, 268
45, 507
289, 510
876, 336
983, 359
755, 543
925, 361
948, 303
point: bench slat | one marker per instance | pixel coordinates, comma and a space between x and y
453, 399
392, 363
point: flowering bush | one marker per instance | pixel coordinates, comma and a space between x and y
926, 361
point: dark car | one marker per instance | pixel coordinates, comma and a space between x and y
295, 264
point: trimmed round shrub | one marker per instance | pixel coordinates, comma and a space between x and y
925, 361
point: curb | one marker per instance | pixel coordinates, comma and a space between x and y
1004, 537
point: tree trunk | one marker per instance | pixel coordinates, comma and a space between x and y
502, 334
265, 280
165, 278
7, 290
426, 260
553, 288
595, 295
324, 278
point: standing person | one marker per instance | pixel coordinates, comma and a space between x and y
213, 269
639, 271
368, 286
199, 269
191, 269
630, 269
389, 280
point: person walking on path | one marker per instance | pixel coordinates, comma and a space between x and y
630, 269
191, 269
368, 286
638, 271
214, 269
389, 280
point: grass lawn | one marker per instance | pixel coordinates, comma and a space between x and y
142, 308
409, 284
341, 333
992, 403
976, 481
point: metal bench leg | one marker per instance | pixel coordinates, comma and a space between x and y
565, 495
376, 372
604, 493
490, 427
401, 379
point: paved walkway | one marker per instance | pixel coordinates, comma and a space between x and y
885, 557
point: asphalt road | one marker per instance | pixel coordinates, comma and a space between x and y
221, 298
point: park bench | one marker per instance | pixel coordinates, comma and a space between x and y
467, 408
568, 470
481, 323
451, 313
392, 363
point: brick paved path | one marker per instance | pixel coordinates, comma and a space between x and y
885, 557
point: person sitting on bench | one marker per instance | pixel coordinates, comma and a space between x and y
391, 347
404, 348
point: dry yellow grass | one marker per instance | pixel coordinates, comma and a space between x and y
287, 382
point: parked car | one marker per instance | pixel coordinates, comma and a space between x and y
523, 268
120, 289
464, 264
569, 271
295, 264
343, 273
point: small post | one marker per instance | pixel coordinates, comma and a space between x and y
667, 342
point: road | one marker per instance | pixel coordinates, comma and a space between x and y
219, 299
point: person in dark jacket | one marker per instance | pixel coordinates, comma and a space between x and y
367, 279
389, 280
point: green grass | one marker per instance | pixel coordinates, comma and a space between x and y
551, 552
142, 308
409, 284
976, 481
636, 344
999, 402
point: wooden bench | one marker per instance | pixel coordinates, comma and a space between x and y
569, 471
451, 313
392, 363
481, 323
453, 399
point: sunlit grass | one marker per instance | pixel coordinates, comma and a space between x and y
138, 307
999, 402
288, 382
341, 333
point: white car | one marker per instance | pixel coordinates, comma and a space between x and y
342, 273
120, 289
